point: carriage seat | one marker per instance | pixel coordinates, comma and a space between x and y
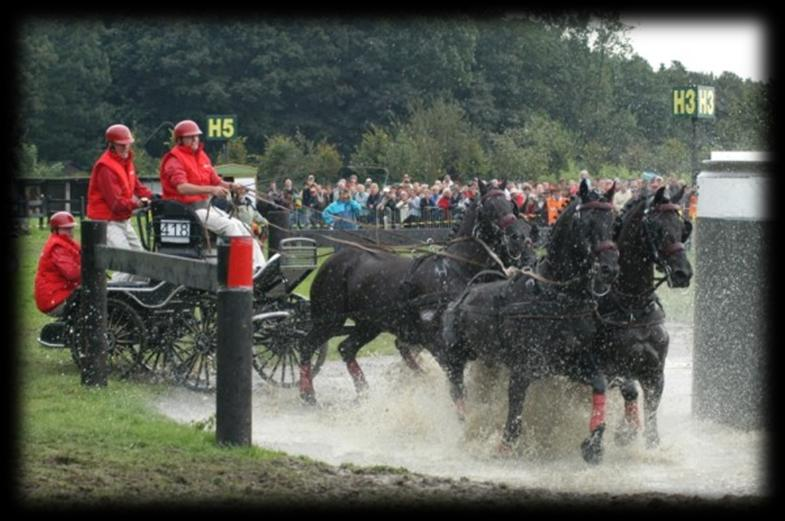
177, 230
147, 294
267, 280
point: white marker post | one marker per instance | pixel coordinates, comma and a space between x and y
733, 235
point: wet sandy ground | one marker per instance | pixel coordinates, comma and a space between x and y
408, 421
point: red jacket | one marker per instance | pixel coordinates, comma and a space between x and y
59, 272
182, 165
113, 183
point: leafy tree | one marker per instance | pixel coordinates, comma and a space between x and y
66, 75
236, 150
282, 158
373, 148
324, 161
418, 95
28, 159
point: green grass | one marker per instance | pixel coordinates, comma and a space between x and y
66, 428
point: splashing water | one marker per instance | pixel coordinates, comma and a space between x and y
409, 421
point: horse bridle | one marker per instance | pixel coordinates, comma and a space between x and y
607, 245
499, 227
660, 256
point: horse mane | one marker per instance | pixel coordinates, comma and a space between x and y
629, 208
632, 206
464, 222
563, 222
560, 238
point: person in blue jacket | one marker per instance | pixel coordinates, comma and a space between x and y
343, 213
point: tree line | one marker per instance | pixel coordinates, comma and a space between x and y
535, 97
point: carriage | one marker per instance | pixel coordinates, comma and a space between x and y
169, 332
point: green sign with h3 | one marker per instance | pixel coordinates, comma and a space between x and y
695, 101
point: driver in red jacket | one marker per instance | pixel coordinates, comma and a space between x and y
59, 267
188, 176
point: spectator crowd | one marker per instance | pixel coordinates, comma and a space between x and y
412, 202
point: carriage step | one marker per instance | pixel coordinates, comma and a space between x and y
53, 335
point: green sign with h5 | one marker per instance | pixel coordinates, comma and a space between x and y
221, 127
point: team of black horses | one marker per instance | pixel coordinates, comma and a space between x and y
587, 309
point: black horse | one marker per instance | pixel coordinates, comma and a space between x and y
540, 324
382, 291
631, 339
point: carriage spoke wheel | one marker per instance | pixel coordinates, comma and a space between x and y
163, 352
194, 352
161, 357
277, 343
125, 339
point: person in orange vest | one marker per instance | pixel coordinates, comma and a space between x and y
59, 270
555, 204
187, 175
692, 206
115, 191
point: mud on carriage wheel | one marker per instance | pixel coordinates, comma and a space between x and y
278, 332
125, 338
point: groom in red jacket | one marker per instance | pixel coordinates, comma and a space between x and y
59, 267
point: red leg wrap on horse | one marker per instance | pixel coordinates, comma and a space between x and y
356, 372
597, 411
460, 406
631, 414
306, 384
411, 362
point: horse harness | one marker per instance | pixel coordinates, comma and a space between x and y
631, 315
657, 255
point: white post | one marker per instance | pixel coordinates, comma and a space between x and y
732, 289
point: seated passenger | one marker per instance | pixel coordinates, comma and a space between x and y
59, 270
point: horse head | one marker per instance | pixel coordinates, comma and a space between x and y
581, 242
594, 217
499, 225
518, 243
665, 231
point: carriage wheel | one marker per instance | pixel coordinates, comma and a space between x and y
193, 353
277, 342
163, 353
125, 338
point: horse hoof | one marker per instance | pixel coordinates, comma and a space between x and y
591, 447
592, 453
625, 434
504, 449
308, 399
652, 442
460, 410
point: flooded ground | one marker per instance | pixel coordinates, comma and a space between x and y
409, 421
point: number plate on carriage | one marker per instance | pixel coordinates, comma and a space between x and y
175, 231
